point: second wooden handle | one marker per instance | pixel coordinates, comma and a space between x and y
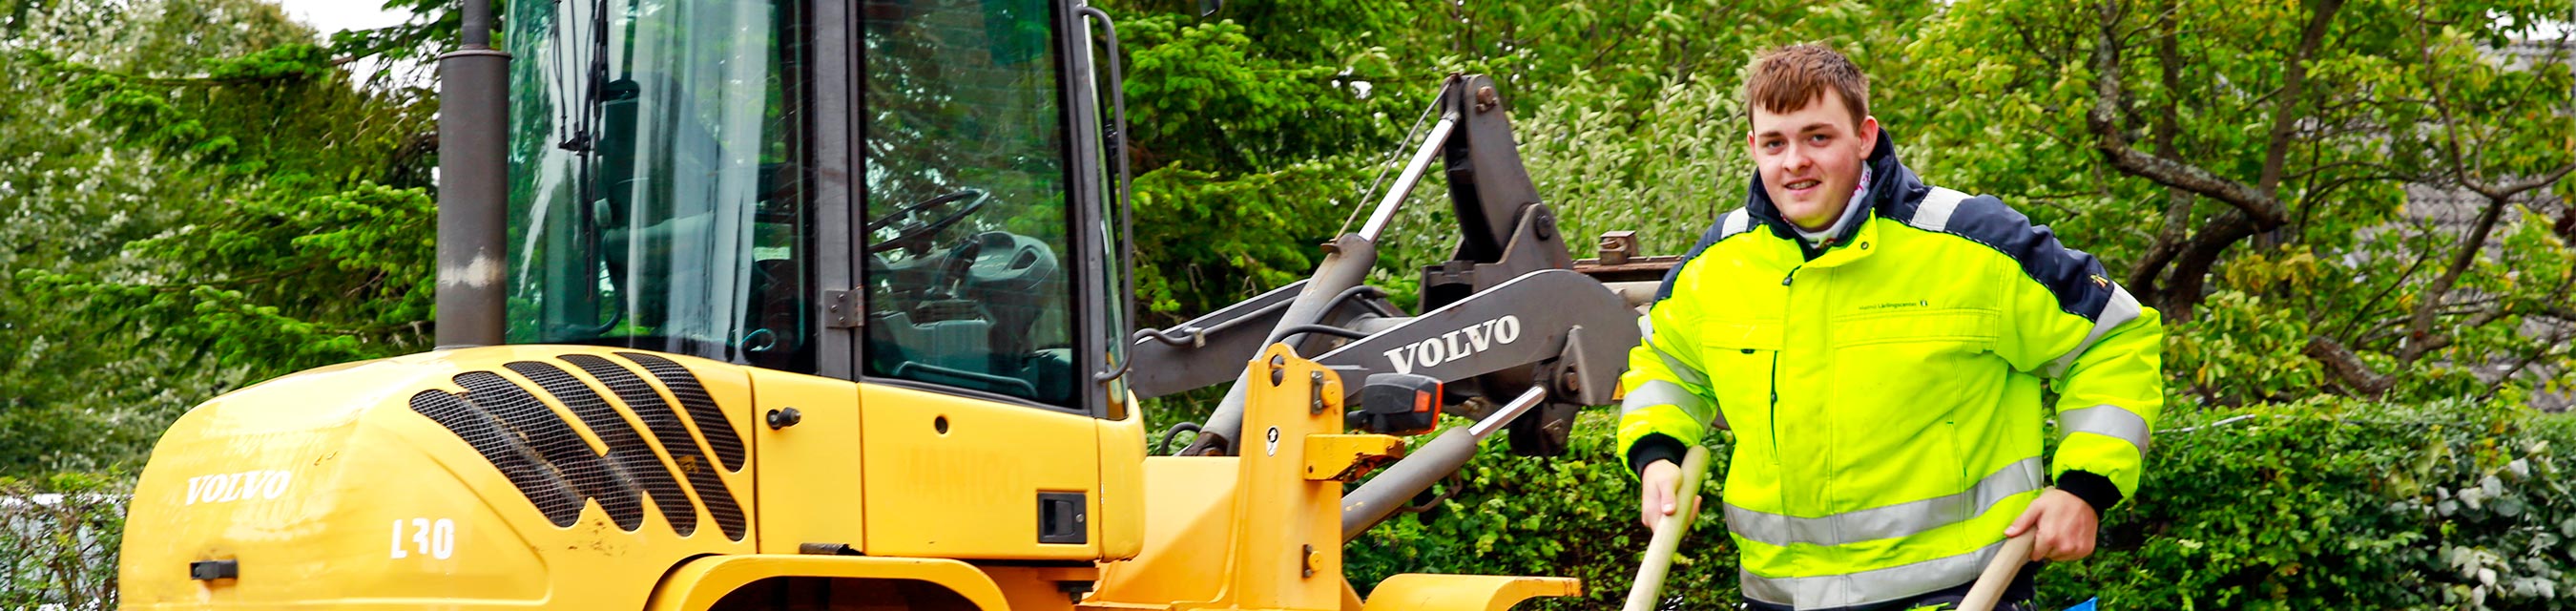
1668, 533
1989, 588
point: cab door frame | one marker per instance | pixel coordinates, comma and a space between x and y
832, 122
840, 196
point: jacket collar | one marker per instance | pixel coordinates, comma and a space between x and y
1890, 185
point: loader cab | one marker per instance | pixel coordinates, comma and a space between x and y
907, 192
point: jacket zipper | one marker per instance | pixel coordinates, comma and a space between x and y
1775, 408
1775, 375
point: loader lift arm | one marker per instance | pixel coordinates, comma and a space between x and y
1510, 311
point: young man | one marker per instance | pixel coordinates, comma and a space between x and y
1879, 348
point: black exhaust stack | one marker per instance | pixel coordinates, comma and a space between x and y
473, 177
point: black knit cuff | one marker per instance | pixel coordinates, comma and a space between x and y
2096, 490
1654, 447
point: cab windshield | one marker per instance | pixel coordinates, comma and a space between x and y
658, 199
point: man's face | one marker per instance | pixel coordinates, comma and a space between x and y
1810, 159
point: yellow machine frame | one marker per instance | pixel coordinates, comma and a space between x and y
935, 494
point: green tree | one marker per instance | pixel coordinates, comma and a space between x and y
2249, 170
1258, 130
212, 198
1247, 142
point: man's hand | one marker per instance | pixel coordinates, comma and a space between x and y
1659, 479
2066, 526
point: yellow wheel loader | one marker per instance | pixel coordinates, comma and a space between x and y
824, 304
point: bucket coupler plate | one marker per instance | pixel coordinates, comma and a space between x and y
1504, 231
1488, 186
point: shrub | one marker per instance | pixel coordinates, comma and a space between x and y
1570, 516
2323, 503
58, 541
2342, 504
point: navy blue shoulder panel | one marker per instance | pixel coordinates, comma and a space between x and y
2075, 277
1716, 231
1904, 199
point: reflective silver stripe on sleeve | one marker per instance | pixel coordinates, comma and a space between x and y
1934, 214
1872, 586
1659, 392
1735, 222
2122, 309
1685, 373
1897, 520
2106, 420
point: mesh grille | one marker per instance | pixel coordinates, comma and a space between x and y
711, 421
666, 427
626, 450
543, 486
557, 444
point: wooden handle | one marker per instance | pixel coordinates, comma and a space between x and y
1990, 585
1668, 533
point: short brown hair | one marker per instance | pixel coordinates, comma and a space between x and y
1785, 79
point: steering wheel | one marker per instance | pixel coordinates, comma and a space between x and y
913, 235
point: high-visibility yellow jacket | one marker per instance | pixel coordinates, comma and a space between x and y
1885, 389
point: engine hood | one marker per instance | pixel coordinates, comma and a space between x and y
480, 477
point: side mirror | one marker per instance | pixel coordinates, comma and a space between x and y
1208, 8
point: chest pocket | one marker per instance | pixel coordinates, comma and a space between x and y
1967, 330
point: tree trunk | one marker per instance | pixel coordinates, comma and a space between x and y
2419, 332
2178, 202
2191, 269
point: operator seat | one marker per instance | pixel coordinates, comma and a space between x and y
984, 314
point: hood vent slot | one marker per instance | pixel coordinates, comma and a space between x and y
712, 422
